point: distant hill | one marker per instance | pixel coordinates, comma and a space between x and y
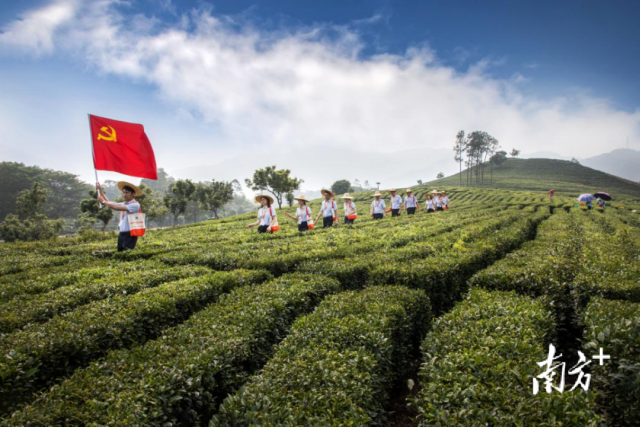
622, 162
545, 174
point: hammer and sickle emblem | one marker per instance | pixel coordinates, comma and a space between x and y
110, 136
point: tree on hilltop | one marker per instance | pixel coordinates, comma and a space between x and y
460, 147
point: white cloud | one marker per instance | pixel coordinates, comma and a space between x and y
310, 88
35, 30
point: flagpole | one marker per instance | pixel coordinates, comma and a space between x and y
93, 155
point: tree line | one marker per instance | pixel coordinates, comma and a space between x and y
477, 150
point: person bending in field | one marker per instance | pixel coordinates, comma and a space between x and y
303, 214
377, 206
266, 214
429, 205
328, 209
125, 240
349, 209
395, 202
410, 203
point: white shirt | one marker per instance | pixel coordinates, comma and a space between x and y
445, 200
396, 201
429, 204
437, 201
349, 208
410, 201
328, 208
378, 206
265, 214
132, 207
303, 213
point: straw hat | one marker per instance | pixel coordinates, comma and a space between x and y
301, 197
324, 191
408, 190
260, 196
377, 193
136, 190
435, 192
347, 196
393, 190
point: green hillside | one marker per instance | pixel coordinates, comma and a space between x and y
545, 174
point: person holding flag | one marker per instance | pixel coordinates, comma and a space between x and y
395, 202
410, 203
328, 209
129, 191
125, 148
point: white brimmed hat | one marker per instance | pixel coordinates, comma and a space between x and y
377, 193
300, 197
136, 191
347, 196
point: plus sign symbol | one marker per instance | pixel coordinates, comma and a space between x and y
601, 357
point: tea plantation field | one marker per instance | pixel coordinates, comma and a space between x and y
435, 319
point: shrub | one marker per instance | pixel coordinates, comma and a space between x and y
480, 360
338, 364
183, 375
614, 326
35, 357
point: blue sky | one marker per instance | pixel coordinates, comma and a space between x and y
226, 86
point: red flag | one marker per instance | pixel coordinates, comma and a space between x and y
122, 147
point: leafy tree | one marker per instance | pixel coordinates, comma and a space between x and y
574, 160
31, 203
460, 147
419, 182
151, 204
341, 186
35, 226
214, 195
514, 153
366, 185
177, 197
64, 190
277, 182
92, 209
499, 158
440, 175
290, 199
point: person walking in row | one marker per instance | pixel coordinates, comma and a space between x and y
377, 206
410, 203
267, 216
129, 191
429, 205
349, 209
395, 202
445, 200
328, 209
303, 214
